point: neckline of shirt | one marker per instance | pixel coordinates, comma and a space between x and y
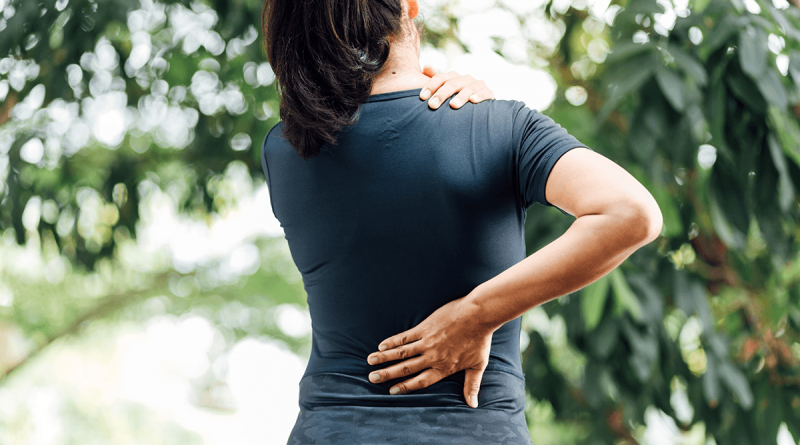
394, 95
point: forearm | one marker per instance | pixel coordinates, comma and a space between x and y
592, 246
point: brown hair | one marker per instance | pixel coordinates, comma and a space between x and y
326, 55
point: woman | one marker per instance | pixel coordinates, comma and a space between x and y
407, 224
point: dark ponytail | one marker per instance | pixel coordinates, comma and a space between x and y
326, 55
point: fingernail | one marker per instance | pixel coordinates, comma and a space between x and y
473, 97
473, 401
381, 347
455, 102
394, 391
373, 360
434, 102
375, 377
426, 93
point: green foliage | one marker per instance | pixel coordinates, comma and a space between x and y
99, 55
700, 114
729, 228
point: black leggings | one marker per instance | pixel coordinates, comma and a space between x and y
339, 408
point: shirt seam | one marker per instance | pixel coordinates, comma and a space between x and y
518, 154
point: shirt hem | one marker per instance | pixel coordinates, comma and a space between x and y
362, 371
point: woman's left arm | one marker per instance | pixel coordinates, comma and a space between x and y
443, 85
615, 215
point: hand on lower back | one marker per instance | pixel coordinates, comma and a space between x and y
444, 343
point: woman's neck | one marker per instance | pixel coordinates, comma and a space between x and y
399, 82
402, 70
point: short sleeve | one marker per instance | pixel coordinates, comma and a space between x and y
540, 142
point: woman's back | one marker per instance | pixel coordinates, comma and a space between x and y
412, 209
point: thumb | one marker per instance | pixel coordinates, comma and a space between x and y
472, 383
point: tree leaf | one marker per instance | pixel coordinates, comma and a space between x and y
625, 50
592, 373
602, 340
699, 5
711, 388
737, 382
771, 227
650, 298
701, 307
794, 70
785, 186
788, 132
780, 18
752, 52
626, 78
723, 228
746, 91
641, 142
697, 122
641, 367
642, 344
717, 343
624, 296
640, 7
691, 297
722, 31
730, 195
593, 300
688, 63
765, 24
770, 85
672, 87
716, 102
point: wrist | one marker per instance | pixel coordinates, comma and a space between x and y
475, 309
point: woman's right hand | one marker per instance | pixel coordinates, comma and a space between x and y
443, 85
448, 341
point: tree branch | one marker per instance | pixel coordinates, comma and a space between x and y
108, 305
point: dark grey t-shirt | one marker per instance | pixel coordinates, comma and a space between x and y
411, 209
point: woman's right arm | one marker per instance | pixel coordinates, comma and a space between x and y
615, 215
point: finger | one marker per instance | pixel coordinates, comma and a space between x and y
403, 369
398, 353
472, 384
400, 339
423, 380
435, 83
449, 88
465, 93
429, 70
481, 95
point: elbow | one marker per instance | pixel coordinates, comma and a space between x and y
643, 220
654, 223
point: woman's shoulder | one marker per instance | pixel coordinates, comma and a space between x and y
274, 132
273, 139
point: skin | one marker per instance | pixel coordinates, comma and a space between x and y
615, 216
402, 71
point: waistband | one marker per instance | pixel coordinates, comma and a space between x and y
358, 371
499, 390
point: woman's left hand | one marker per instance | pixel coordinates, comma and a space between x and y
443, 85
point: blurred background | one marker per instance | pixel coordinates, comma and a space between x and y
147, 294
